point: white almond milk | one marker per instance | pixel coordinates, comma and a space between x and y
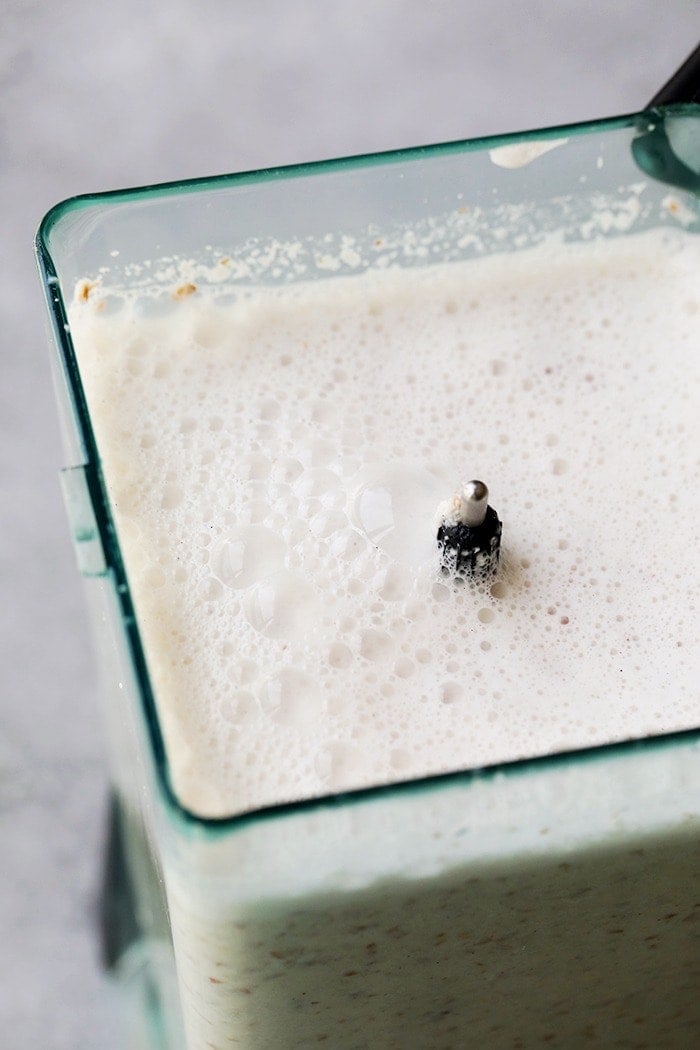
275, 464
275, 461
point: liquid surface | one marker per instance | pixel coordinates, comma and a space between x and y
275, 465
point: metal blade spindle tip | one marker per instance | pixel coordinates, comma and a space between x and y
474, 501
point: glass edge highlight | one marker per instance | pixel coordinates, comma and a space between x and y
318, 167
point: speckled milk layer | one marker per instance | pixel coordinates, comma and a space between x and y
275, 463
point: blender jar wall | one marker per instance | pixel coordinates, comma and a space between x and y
620, 833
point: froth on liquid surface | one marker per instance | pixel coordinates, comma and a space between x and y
275, 465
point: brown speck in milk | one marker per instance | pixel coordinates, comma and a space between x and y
215, 980
184, 290
84, 289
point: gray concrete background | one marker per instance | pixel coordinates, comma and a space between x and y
97, 96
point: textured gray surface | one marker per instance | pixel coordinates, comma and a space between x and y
99, 96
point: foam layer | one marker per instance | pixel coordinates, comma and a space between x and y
275, 464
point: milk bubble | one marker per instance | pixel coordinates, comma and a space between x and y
339, 655
337, 763
376, 646
292, 698
283, 606
348, 545
247, 555
320, 484
394, 583
394, 505
252, 467
328, 522
240, 709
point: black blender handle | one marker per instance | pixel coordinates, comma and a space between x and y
684, 85
676, 163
